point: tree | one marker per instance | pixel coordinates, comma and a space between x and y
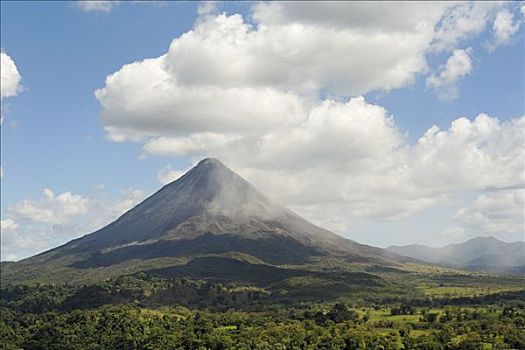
340, 312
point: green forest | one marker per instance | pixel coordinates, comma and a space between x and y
148, 312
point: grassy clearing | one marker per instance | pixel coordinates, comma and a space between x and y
420, 332
465, 291
384, 314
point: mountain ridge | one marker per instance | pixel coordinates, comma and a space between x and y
484, 253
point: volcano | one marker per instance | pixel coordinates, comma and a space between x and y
208, 212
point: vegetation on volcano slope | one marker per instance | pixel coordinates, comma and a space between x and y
143, 311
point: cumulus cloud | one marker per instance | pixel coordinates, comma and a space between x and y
496, 212
233, 76
114, 208
32, 226
504, 28
168, 174
351, 158
364, 15
462, 22
165, 106
15, 244
8, 225
97, 5
402, 179
483, 153
499, 213
50, 209
454, 232
206, 8
458, 66
10, 77
279, 101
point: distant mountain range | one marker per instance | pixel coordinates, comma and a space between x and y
481, 253
206, 224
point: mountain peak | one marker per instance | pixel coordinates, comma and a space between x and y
212, 161
212, 169
210, 165
209, 190
221, 191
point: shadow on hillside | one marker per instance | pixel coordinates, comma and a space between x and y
275, 250
226, 270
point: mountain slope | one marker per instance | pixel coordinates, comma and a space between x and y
480, 253
209, 211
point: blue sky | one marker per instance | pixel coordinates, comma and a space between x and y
64, 54
55, 136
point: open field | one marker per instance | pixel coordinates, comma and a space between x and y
464, 291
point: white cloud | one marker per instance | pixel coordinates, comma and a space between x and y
224, 50
127, 200
10, 77
483, 153
183, 146
454, 232
276, 100
15, 244
50, 209
207, 8
499, 213
97, 5
462, 22
32, 226
168, 174
458, 66
352, 157
165, 106
504, 28
233, 76
363, 15
8, 225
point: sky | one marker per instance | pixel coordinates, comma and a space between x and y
388, 123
